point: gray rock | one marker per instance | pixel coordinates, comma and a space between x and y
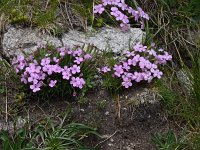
144, 96
106, 38
12, 126
16, 41
185, 81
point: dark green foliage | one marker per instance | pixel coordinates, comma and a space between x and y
48, 137
84, 8
16, 11
19, 141
67, 137
169, 96
171, 24
196, 78
177, 103
192, 10
43, 14
108, 58
195, 144
168, 141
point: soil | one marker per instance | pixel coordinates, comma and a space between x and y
131, 130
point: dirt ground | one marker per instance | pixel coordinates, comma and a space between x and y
131, 131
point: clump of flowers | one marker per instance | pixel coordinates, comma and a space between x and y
141, 63
50, 67
120, 11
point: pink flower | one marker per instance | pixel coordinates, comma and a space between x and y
87, 56
167, 56
23, 80
75, 69
124, 19
142, 24
66, 73
45, 61
142, 13
152, 52
142, 62
146, 75
78, 60
77, 82
99, 9
105, 69
123, 6
36, 87
129, 53
62, 51
52, 83
55, 60
134, 61
118, 70
157, 73
139, 47
138, 76
126, 82
126, 66
125, 27
115, 11
128, 75
160, 59
153, 68
69, 52
77, 52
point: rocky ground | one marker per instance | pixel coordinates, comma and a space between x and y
141, 115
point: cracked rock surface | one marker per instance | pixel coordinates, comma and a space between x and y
18, 40
106, 38
25, 40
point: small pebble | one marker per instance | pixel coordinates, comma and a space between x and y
82, 110
106, 113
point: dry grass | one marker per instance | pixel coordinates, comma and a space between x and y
172, 29
51, 17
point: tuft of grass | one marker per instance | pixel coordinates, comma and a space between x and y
85, 9
48, 20
48, 136
195, 141
195, 78
168, 141
178, 105
172, 26
47, 15
168, 95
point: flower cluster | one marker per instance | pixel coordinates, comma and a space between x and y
140, 64
50, 67
119, 9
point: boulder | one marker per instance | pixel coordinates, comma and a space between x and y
17, 40
112, 39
